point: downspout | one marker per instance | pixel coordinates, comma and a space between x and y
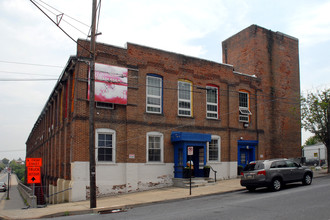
229, 131
257, 128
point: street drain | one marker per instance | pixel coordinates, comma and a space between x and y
112, 211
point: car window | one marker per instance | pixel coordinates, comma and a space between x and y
254, 166
280, 164
291, 163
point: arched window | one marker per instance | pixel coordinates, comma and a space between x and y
244, 106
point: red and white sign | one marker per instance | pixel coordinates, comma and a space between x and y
110, 84
33, 175
190, 151
33, 162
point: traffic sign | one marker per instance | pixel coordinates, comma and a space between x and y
33, 162
33, 175
190, 151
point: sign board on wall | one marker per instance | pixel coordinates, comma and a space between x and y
110, 84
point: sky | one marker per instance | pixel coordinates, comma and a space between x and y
34, 50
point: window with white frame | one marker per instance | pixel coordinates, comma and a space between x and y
105, 145
154, 147
154, 94
212, 102
184, 98
214, 149
244, 111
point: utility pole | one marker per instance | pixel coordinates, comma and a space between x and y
92, 174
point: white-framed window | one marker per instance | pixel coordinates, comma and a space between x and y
244, 108
184, 98
154, 94
212, 97
214, 150
105, 145
155, 145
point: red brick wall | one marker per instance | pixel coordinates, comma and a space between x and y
273, 57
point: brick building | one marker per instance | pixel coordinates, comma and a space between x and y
152, 104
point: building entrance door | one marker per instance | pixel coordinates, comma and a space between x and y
246, 152
198, 158
181, 142
245, 157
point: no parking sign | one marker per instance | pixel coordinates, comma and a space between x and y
190, 151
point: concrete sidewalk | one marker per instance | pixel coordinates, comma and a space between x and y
15, 200
125, 201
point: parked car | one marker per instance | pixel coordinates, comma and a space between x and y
3, 187
274, 174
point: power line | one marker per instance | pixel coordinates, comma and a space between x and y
32, 74
25, 80
35, 4
2, 151
62, 14
65, 14
30, 64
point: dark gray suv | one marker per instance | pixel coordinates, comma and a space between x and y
274, 174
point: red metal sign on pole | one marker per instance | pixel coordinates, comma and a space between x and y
33, 162
33, 175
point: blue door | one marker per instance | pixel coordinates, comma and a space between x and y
246, 152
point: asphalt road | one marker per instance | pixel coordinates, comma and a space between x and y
293, 202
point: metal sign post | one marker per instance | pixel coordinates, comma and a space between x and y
8, 187
190, 153
190, 176
33, 196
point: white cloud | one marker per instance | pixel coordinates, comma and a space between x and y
312, 23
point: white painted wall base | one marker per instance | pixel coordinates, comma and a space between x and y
225, 170
130, 177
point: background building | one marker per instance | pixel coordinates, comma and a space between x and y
315, 155
151, 105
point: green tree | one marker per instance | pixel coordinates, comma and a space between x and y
315, 115
2, 167
311, 141
18, 169
5, 161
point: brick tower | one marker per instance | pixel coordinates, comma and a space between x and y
273, 57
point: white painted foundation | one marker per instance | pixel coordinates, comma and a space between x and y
129, 177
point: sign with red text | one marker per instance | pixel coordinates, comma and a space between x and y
190, 151
33, 162
33, 175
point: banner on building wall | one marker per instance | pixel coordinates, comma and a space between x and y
110, 84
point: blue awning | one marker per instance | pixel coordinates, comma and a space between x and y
247, 142
188, 136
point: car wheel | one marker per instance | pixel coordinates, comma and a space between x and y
307, 179
276, 185
251, 188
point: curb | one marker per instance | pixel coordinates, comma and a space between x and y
123, 208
